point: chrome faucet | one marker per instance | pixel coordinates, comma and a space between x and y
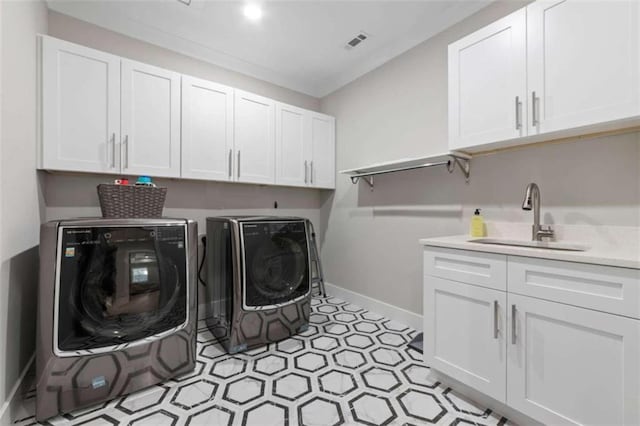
532, 201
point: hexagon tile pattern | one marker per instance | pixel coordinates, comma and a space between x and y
352, 367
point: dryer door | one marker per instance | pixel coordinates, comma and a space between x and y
117, 285
276, 263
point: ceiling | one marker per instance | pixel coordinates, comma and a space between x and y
297, 44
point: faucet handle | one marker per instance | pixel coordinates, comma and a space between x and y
545, 231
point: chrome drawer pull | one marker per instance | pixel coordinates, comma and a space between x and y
534, 113
513, 324
495, 319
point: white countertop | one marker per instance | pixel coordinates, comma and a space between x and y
612, 246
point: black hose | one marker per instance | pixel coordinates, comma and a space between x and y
204, 256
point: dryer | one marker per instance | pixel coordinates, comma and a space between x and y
116, 308
258, 279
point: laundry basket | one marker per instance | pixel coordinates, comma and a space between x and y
127, 201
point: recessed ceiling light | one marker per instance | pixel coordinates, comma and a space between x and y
252, 12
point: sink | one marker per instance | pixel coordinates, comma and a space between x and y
546, 245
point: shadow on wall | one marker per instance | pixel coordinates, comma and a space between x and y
79, 190
580, 181
420, 192
20, 274
326, 202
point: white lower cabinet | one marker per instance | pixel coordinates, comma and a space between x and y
569, 365
467, 338
552, 361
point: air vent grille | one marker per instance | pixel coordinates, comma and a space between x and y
359, 38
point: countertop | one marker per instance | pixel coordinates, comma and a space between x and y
606, 246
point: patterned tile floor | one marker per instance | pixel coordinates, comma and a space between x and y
351, 367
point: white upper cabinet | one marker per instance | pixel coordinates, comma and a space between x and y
583, 59
106, 114
207, 130
322, 168
557, 68
487, 83
150, 120
293, 146
254, 130
80, 108
305, 148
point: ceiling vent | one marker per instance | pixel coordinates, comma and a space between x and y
362, 36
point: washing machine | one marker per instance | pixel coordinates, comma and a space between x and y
258, 279
116, 309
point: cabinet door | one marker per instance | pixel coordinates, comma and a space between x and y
583, 62
464, 334
487, 84
293, 153
571, 365
254, 138
322, 173
80, 108
207, 130
150, 120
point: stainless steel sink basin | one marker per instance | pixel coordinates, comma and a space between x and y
547, 245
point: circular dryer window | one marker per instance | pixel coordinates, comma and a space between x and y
277, 262
118, 285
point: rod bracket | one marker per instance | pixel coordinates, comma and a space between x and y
368, 179
463, 164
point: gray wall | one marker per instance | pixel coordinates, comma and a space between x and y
400, 110
21, 210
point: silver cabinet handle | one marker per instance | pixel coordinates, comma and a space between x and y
496, 330
305, 172
534, 113
230, 160
113, 150
238, 165
311, 172
518, 117
513, 324
125, 146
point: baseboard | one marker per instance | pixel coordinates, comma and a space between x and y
9, 406
392, 312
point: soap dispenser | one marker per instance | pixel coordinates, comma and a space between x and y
477, 225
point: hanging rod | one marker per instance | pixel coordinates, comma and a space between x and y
355, 178
450, 160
